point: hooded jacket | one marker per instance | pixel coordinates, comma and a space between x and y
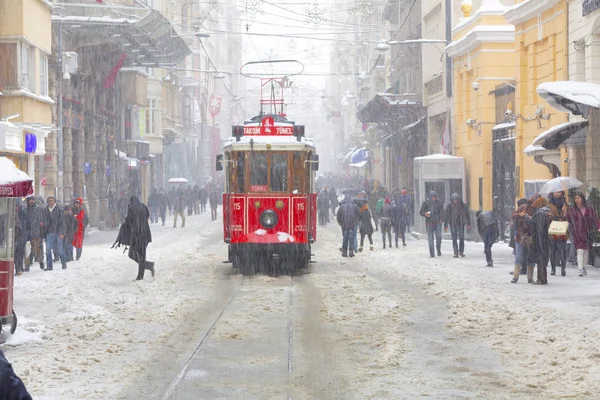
348, 215
457, 214
436, 208
541, 222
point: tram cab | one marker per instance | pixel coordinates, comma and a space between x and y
269, 204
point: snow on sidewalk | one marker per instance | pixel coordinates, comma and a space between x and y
548, 335
84, 331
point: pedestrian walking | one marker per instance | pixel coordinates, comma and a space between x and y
583, 222
35, 229
71, 226
523, 242
135, 233
386, 221
333, 200
55, 233
558, 243
323, 208
399, 221
21, 235
487, 227
366, 225
433, 212
214, 203
541, 241
163, 205
457, 218
11, 386
178, 209
153, 205
348, 217
82, 222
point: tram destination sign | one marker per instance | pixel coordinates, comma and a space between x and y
268, 130
589, 6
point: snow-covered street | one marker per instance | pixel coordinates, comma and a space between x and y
385, 324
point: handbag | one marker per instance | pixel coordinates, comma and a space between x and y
526, 240
558, 228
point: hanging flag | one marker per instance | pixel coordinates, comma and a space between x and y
446, 136
112, 76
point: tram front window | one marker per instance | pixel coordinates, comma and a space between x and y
279, 172
258, 171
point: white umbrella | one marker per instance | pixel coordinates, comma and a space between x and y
560, 184
178, 180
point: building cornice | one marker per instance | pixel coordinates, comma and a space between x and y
527, 10
479, 35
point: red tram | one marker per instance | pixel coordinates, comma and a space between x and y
269, 204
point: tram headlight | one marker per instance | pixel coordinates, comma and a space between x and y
268, 219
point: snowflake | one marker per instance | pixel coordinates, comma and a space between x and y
251, 8
315, 14
292, 44
271, 55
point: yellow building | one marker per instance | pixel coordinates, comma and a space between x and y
25, 44
482, 53
541, 46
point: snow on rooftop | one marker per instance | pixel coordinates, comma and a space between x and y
438, 157
103, 20
471, 35
505, 125
531, 149
585, 93
491, 7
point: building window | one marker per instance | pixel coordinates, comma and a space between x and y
43, 75
150, 114
27, 67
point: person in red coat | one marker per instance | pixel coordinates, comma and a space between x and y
82, 222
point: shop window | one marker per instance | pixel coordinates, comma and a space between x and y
27, 67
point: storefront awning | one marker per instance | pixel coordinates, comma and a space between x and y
359, 164
569, 96
392, 110
146, 36
555, 136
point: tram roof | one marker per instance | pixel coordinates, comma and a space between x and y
276, 142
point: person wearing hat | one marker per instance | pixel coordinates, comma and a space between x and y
55, 233
457, 217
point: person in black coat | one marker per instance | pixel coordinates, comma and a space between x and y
399, 221
135, 233
70, 227
323, 207
348, 217
21, 235
433, 212
487, 227
11, 386
540, 250
457, 217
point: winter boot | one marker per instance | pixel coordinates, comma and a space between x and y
360, 249
516, 271
439, 253
150, 267
351, 253
553, 270
64, 265
530, 273
462, 255
455, 255
371, 248
42, 266
344, 254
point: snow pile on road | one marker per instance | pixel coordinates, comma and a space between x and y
553, 351
86, 331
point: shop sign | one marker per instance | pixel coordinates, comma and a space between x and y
590, 6
87, 168
30, 142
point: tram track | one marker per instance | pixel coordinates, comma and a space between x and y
222, 315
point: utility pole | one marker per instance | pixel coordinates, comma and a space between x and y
60, 189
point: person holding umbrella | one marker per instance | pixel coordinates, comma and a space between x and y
584, 222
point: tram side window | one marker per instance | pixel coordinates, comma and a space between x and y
241, 177
258, 171
279, 172
298, 172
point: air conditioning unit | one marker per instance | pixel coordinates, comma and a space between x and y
70, 64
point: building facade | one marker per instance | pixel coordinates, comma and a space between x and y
25, 102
